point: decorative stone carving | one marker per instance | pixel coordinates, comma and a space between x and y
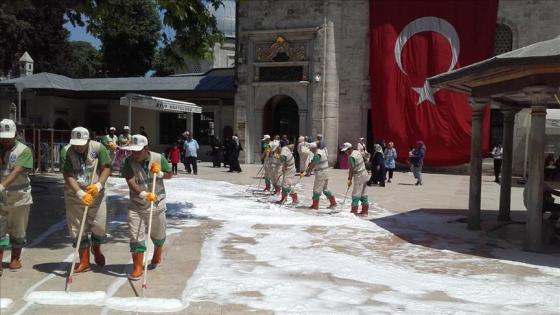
280, 51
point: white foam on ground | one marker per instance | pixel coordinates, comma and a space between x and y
145, 305
305, 263
5, 303
66, 298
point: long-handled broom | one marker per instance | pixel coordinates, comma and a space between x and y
79, 240
145, 276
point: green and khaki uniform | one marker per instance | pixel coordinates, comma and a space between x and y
80, 166
321, 168
360, 178
268, 156
287, 160
110, 143
124, 140
139, 208
16, 198
275, 169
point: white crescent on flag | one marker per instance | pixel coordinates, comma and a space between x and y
425, 24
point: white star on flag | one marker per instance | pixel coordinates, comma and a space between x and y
426, 93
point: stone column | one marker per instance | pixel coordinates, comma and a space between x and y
478, 105
331, 86
507, 162
533, 233
259, 133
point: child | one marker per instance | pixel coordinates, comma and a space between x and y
175, 157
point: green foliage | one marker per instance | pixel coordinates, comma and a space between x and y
84, 61
35, 26
195, 27
161, 64
129, 31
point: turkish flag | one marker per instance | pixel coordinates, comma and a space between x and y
412, 40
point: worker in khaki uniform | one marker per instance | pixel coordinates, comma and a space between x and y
139, 170
288, 166
358, 173
320, 164
275, 167
267, 161
16, 160
83, 188
110, 142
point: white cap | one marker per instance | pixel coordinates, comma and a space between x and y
274, 145
346, 146
137, 144
312, 145
266, 137
7, 129
79, 136
126, 128
113, 128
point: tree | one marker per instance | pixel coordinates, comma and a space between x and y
36, 26
195, 27
161, 64
129, 31
84, 61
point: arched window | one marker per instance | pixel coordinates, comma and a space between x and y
503, 41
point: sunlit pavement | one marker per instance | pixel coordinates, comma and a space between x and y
230, 250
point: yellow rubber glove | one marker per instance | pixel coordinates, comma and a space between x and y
148, 196
94, 189
85, 198
151, 197
301, 175
156, 168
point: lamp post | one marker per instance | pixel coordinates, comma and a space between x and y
19, 87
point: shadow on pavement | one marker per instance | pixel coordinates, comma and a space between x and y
445, 229
60, 269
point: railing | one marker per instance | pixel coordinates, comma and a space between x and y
46, 145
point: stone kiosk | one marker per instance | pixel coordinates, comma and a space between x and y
524, 78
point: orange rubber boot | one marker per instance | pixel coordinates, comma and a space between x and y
156, 258
83, 266
333, 203
364, 212
137, 269
295, 200
98, 255
314, 205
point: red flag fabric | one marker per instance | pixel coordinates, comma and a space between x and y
412, 40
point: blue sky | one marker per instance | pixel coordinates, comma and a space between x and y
80, 34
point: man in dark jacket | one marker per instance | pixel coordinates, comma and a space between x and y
377, 167
417, 160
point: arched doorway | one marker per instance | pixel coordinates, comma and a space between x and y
281, 117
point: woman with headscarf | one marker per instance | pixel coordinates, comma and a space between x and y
377, 167
390, 155
235, 148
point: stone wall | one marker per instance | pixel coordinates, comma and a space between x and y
345, 24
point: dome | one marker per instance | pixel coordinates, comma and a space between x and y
225, 17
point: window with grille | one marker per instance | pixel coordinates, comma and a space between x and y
503, 41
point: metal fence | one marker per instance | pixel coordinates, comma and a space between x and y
46, 145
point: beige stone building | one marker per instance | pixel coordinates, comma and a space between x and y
302, 66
